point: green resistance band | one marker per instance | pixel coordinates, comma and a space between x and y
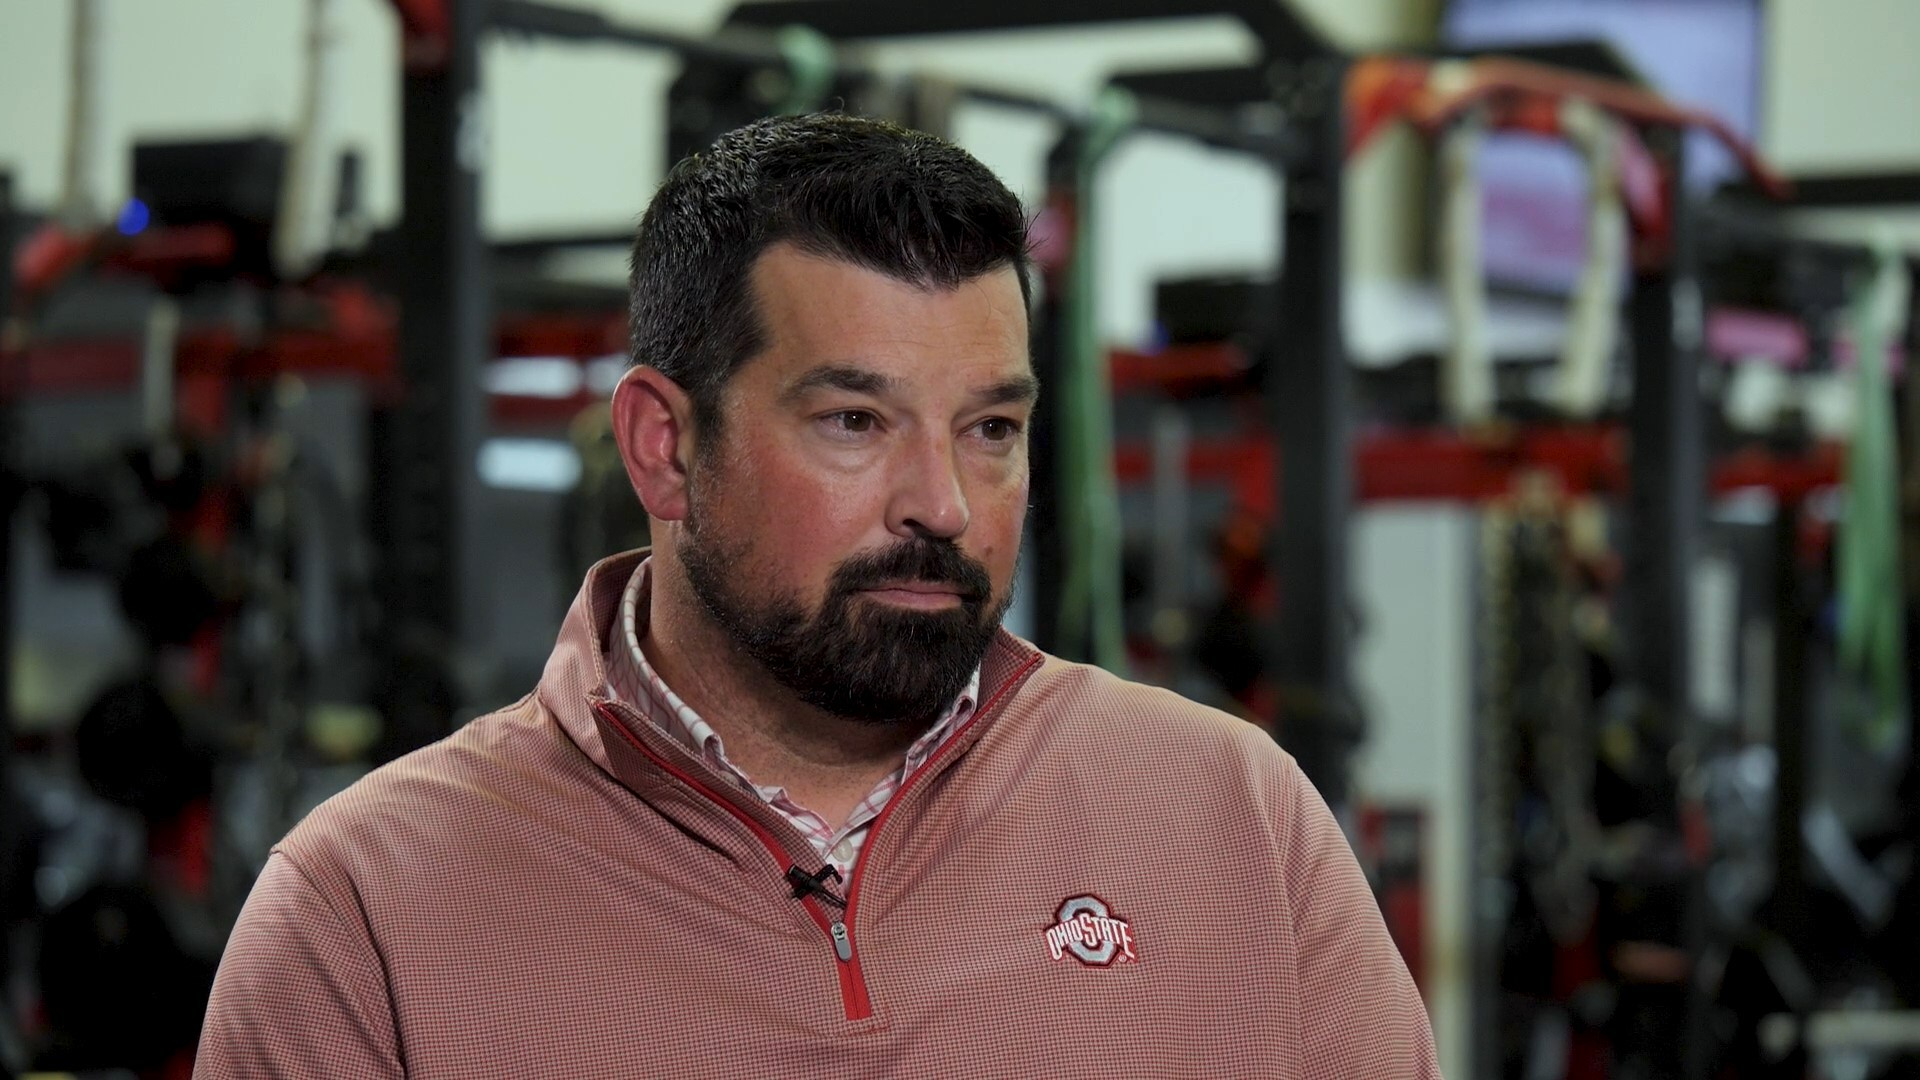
1091, 602
1871, 643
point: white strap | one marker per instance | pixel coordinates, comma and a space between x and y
1466, 380
1593, 322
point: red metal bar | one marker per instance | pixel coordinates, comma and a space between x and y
158, 252
357, 344
52, 254
83, 366
1436, 465
584, 335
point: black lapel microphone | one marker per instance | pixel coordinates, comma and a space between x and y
805, 884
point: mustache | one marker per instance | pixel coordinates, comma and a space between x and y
934, 562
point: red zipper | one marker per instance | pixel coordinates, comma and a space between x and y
873, 830
853, 988
853, 985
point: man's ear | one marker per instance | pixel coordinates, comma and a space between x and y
653, 423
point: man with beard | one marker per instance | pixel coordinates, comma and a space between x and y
787, 798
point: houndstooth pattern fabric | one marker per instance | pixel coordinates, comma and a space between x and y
561, 889
631, 678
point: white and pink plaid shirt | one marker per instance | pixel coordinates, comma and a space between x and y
631, 679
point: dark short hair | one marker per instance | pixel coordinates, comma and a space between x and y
868, 192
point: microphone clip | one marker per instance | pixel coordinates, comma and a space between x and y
805, 884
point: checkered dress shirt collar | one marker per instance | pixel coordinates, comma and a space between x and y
631, 679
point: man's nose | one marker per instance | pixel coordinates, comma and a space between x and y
928, 499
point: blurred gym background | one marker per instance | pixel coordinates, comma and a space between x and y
1504, 402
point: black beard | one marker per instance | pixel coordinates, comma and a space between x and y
857, 658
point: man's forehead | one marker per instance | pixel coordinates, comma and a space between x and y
821, 313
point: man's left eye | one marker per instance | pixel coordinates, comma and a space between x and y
998, 429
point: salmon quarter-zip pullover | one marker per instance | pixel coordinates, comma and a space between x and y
1089, 878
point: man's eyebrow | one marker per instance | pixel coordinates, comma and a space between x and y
837, 377
1020, 390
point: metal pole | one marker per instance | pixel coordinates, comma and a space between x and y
1667, 471
423, 480
159, 344
1908, 399
1666, 495
1172, 538
1307, 392
1790, 636
1046, 541
11, 827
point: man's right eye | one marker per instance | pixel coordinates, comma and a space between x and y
852, 421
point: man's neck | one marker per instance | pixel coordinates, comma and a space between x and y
828, 764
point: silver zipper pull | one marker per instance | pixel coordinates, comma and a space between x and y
842, 944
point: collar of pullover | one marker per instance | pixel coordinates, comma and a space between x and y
659, 768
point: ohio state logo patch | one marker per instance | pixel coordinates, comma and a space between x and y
1087, 930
